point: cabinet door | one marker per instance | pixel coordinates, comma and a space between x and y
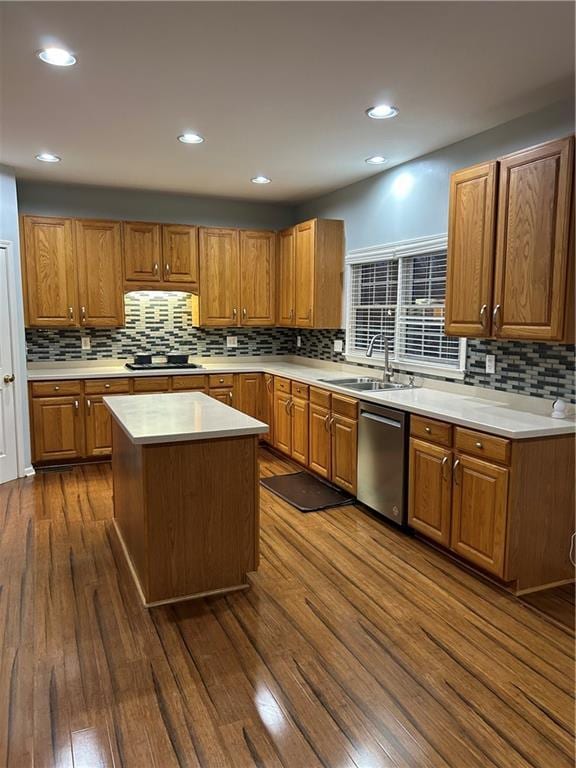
430, 490
344, 452
219, 267
98, 427
257, 262
250, 394
99, 260
299, 416
57, 428
268, 407
471, 251
320, 442
282, 423
286, 275
531, 271
304, 273
141, 249
223, 394
180, 254
479, 513
50, 272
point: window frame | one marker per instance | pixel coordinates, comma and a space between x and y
398, 251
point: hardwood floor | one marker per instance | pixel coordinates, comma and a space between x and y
355, 646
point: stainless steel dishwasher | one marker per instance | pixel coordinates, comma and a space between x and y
382, 460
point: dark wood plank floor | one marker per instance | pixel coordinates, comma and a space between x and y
355, 646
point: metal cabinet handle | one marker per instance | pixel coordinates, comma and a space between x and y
454, 469
83, 314
332, 420
71, 313
106, 386
9, 378
221, 381
76, 404
167, 270
234, 313
287, 406
155, 270
428, 430
445, 468
244, 313
479, 444
327, 422
291, 314
56, 388
484, 315
89, 405
309, 317
230, 395
496, 318
269, 383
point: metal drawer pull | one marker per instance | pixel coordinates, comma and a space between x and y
56, 389
445, 466
496, 317
106, 386
479, 445
484, 315
428, 430
454, 468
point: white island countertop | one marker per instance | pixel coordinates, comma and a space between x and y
177, 417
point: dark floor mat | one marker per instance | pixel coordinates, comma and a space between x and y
306, 492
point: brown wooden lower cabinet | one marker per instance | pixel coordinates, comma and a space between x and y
508, 509
344, 452
430, 490
250, 395
299, 415
320, 457
98, 427
223, 394
282, 422
268, 407
58, 428
479, 513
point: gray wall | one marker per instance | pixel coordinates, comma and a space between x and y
117, 203
9, 231
411, 200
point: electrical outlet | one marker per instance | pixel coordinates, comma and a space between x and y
490, 363
231, 342
86, 342
338, 345
298, 341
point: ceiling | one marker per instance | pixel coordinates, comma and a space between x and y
277, 88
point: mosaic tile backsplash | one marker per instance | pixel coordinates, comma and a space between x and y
528, 368
161, 323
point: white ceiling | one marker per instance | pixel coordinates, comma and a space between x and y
276, 88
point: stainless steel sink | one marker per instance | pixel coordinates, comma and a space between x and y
366, 384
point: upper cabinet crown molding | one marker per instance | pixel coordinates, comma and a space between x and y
510, 256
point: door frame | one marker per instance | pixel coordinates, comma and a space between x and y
17, 335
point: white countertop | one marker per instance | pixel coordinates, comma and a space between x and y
176, 417
499, 413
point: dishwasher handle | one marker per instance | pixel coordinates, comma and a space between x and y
380, 419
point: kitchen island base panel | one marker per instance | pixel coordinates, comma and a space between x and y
187, 514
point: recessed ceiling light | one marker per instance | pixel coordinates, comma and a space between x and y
382, 112
376, 160
58, 57
260, 180
191, 138
48, 157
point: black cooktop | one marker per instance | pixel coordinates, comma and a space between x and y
159, 366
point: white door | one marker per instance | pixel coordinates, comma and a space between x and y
8, 457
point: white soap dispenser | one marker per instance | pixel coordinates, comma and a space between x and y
558, 409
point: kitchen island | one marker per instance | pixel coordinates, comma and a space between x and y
185, 474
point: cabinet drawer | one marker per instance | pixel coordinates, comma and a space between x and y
221, 380
300, 390
107, 386
482, 445
320, 397
152, 384
180, 383
55, 388
281, 385
429, 429
345, 406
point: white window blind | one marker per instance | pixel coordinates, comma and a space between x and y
401, 296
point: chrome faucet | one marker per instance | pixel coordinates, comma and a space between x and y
388, 371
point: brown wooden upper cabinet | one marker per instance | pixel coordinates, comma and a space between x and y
309, 274
160, 256
237, 277
510, 260
72, 272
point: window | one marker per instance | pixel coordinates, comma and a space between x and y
398, 291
